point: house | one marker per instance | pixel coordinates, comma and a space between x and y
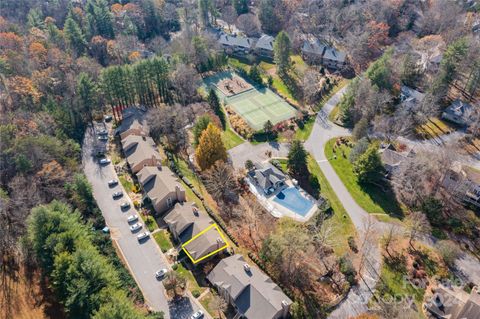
135, 128
464, 183
454, 303
185, 222
252, 293
132, 117
236, 44
264, 46
313, 51
140, 151
161, 186
410, 97
459, 113
268, 178
391, 160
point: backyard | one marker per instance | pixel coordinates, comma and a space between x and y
372, 198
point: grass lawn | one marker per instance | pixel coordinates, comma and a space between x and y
332, 92
303, 134
231, 139
371, 198
162, 238
283, 164
126, 183
150, 222
340, 219
333, 114
206, 301
192, 282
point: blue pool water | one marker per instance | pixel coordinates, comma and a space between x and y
293, 200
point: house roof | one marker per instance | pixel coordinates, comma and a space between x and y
313, 46
268, 176
237, 40
390, 157
471, 174
138, 148
158, 182
132, 117
471, 309
186, 220
206, 243
446, 302
459, 108
334, 55
265, 42
254, 293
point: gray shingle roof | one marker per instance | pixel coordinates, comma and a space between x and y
237, 41
313, 46
334, 55
138, 148
459, 108
158, 182
265, 42
268, 176
254, 293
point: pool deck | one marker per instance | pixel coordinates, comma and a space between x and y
278, 210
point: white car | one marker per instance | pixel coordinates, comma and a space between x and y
125, 205
103, 138
103, 132
112, 182
135, 227
117, 194
159, 274
197, 315
143, 235
107, 118
104, 161
132, 218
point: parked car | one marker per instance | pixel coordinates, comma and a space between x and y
117, 194
125, 205
102, 132
197, 315
135, 227
112, 182
103, 138
160, 273
143, 235
108, 118
132, 218
104, 161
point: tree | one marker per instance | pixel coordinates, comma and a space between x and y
268, 127
254, 74
417, 225
186, 82
200, 125
204, 10
379, 71
229, 15
432, 208
214, 103
368, 167
297, 158
360, 130
268, 16
358, 149
281, 51
221, 182
210, 148
241, 6
449, 251
219, 305
249, 165
74, 36
87, 93
167, 124
249, 24
175, 284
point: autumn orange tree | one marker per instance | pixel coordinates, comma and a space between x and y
210, 148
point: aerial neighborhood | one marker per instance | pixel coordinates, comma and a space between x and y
235, 159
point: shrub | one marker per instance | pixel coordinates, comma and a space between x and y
196, 293
352, 244
347, 269
175, 267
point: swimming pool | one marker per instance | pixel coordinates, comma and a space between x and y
292, 199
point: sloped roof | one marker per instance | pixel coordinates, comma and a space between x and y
253, 292
472, 174
268, 176
313, 46
265, 42
459, 108
158, 182
391, 158
334, 55
187, 221
138, 148
237, 40
471, 309
446, 303
205, 244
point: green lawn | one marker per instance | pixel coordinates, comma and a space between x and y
192, 282
231, 139
303, 134
150, 222
163, 240
332, 92
340, 219
126, 183
370, 197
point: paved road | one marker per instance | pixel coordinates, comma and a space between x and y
143, 259
256, 153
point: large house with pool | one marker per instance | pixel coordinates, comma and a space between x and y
280, 195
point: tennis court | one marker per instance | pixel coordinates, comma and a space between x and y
255, 105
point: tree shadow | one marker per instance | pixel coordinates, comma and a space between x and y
180, 308
384, 196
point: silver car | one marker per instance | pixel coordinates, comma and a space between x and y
117, 194
132, 218
143, 235
197, 315
104, 161
125, 205
112, 182
160, 273
135, 227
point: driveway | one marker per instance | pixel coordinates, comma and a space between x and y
256, 153
143, 259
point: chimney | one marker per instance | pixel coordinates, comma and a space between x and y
286, 308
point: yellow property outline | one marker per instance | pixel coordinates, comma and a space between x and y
201, 233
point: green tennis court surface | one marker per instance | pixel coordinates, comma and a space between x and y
256, 105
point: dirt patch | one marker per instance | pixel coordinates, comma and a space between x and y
233, 86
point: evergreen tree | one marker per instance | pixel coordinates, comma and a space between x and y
214, 102
297, 158
74, 36
210, 148
268, 17
204, 11
241, 6
282, 50
200, 125
35, 19
87, 93
254, 74
368, 167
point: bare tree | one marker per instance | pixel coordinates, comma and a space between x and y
219, 305
229, 15
417, 226
221, 182
174, 284
167, 124
249, 24
389, 238
186, 81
